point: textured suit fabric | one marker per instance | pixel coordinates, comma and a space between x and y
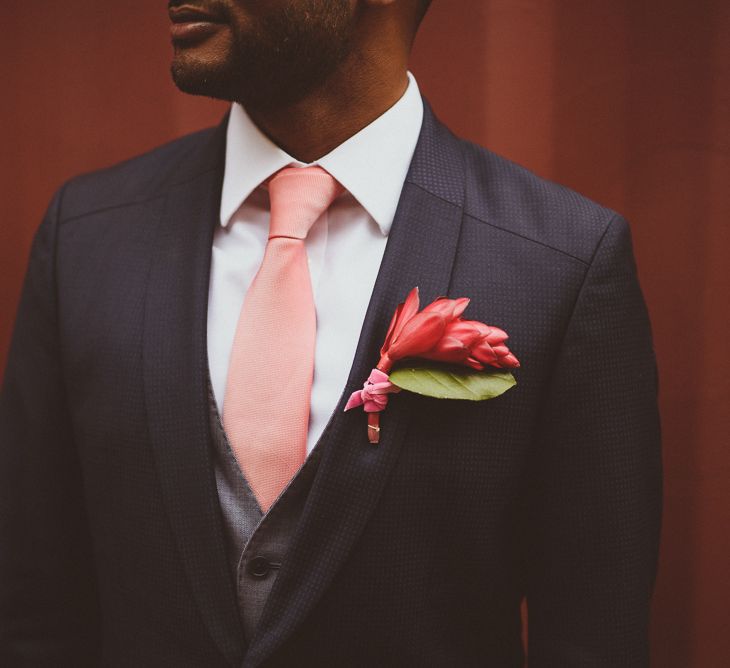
240, 511
251, 534
414, 552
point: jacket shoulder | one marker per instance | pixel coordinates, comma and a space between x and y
137, 179
510, 197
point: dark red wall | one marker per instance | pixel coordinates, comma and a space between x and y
628, 102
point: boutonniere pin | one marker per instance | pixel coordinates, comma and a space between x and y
438, 333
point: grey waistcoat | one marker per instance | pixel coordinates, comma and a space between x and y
256, 542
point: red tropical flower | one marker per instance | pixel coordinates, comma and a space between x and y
473, 344
439, 333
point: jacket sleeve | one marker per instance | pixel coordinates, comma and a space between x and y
48, 609
596, 497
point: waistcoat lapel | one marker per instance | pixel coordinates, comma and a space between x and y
352, 473
175, 363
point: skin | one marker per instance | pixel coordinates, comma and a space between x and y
310, 73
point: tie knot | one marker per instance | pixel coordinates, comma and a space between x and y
298, 196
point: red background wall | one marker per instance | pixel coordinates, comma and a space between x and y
625, 101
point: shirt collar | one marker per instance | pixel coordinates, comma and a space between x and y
372, 164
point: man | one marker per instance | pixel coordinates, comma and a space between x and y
180, 484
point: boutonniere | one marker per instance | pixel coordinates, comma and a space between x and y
438, 333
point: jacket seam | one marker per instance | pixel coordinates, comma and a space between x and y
534, 241
433, 194
574, 307
133, 202
582, 287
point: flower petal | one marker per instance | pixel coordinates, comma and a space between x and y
510, 360
410, 309
449, 308
419, 334
484, 352
403, 313
496, 335
447, 349
460, 306
474, 364
463, 330
441, 305
450, 344
391, 328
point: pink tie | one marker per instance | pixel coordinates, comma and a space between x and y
266, 405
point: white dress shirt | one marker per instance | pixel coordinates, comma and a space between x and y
344, 246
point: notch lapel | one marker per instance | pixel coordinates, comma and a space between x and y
420, 251
175, 364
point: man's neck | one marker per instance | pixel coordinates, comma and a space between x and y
326, 117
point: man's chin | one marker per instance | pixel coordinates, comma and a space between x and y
194, 77
223, 81
202, 66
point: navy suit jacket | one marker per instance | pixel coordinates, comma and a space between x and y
417, 551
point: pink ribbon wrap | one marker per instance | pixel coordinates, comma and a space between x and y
374, 394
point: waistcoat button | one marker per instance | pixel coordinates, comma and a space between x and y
259, 567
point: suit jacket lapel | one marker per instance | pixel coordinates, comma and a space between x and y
175, 363
420, 251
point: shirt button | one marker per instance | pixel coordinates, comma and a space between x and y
259, 567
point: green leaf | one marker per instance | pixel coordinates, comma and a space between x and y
449, 382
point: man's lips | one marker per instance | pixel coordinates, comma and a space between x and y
191, 23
